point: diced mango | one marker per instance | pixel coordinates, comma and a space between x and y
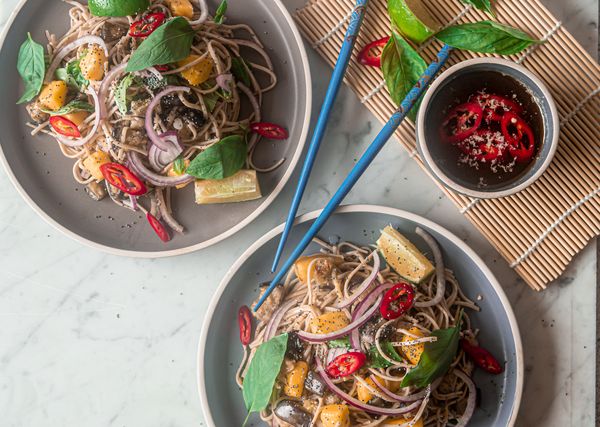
320, 270
329, 322
402, 422
363, 393
197, 73
77, 117
93, 163
54, 95
294, 380
335, 416
171, 172
413, 352
92, 64
181, 8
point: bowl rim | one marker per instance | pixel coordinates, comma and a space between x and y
361, 208
306, 73
445, 179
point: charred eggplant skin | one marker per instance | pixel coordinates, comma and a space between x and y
292, 412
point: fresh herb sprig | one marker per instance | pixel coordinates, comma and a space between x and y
32, 68
220, 160
483, 5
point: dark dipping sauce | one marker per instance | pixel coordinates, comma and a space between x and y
463, 168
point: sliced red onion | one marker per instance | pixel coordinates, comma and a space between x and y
225, 81
362, 307
472, 399
411, 397
203, 13
81, 141
134, 203
276, 318
156, 73
154, 178
363, 286
440, 272
165, 214
335, 352
105, 87
158, 158
58, 57
354, 325
154, 137
357, 403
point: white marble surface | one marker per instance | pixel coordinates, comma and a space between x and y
95, 340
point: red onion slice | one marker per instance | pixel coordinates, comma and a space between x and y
160, 159
203, 13
105, 87
360, 309
440, 272
81, 141
58, 57
363, 286
276, 319
225, 81
407, 399
154, 137
152, 177
357, 403
472, 399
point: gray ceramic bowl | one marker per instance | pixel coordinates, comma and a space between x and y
43, 175
468, 69
220, 352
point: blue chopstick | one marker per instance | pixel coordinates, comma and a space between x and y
334, 85
362, 164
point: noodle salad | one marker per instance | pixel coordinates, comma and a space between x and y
353, 340
148, 96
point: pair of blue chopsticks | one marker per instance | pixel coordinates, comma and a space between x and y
365, 160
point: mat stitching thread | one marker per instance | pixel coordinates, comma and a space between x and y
579, 106
334, 30
469, 206
533, 47
552, 226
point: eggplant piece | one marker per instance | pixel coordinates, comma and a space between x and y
96, 191
314, 384
194, 117
271, 304
295, 347
35, 112
292, 412
112, 32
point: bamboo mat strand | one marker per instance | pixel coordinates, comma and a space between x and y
539, 230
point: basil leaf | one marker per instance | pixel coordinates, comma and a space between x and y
220, 14
220, 160
170, 42
70, 107
72, 75
121, 93
402, 67
32, 68
483, 5
262, 373
436, 358
117, 7
240, 71
376, 360
179, 166
486, 37
339, 343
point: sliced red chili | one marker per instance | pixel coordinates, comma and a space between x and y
64, 126
245, 324
162, 68
461, 122
158, 228
482, 358
397, 301
370, 55
346, 364
494, 106
484, 145
269, 130
121, 177
518, 134
146, 26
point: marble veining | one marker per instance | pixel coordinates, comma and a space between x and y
88, 338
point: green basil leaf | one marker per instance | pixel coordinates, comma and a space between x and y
402, 67
170, 42
117, 7
376, 360
486, 37
220, 14
339, 343
436, 358
220, 160
483, 5
179, 166
70, 107
240, 70
121, 93
32, 68
72, 75
262, 373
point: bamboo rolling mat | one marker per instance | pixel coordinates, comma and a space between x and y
538, 230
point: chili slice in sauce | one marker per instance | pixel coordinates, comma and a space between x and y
146, 26
245, 324
64, 126
346, 364
482, 358
158, 228
121, 177
519, 136
494, 106
269, 130
485, 144
370, 55
461, 122
397, 301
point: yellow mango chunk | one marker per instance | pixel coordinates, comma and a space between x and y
413, 352
321, 268
294, 380
197, 73
402, 422
171, 172
93, 163
92, 64
54, 95
335, 416
77, 117
181, 8
363, 393
329, 322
